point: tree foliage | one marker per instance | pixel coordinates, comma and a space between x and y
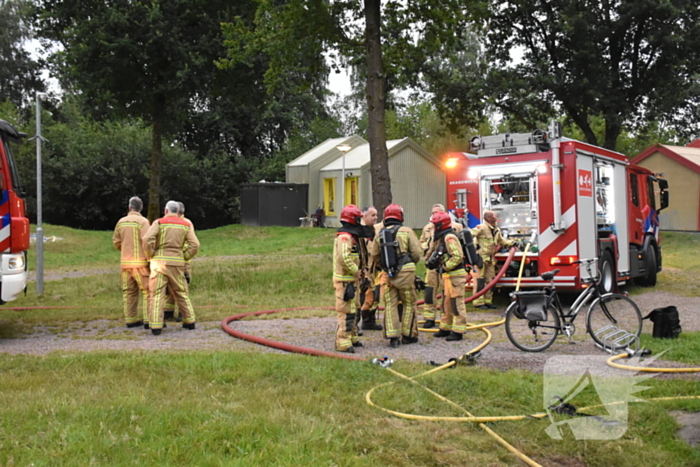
628, 62
20, 74
151, 60
90, 169
386, 40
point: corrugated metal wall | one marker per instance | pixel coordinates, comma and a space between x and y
684, 193
416, 184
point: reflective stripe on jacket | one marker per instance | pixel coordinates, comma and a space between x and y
128, 238
346, 257
490, 240
171, 240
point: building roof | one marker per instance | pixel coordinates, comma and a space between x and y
318, 151
358, 157
688, 156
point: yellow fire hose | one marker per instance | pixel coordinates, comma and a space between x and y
469, 418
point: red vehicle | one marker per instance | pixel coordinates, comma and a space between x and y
14, 232
571, 200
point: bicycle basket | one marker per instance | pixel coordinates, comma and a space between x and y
532, 305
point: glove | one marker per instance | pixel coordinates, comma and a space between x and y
420, 284
349, 292
187, 277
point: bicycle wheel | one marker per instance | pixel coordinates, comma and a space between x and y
611, 317
532, 336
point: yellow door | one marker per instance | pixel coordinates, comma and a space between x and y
329, 196
352, 191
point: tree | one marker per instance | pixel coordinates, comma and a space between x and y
385, 40
626, 61
150, 60
20, 74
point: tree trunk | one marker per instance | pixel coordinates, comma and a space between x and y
613, 128
379, 156
156, 163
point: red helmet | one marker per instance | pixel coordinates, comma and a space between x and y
393, 211
351, 214
441, 220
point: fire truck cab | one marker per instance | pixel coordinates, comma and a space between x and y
570, 200
14, 231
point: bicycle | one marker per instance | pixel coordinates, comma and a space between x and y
534, 319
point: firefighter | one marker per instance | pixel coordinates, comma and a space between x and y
446, 256
369, 294
432, 278
170, 242
489, 240
169, 310
128, 238
401, 286
349, 263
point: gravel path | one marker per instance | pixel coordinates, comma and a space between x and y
318, 333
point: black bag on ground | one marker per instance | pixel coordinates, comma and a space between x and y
667, 323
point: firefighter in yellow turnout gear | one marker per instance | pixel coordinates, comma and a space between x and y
447, 257
349, 262
489, 239
128, 238
401, 287
169, 310
170, 242
433, 281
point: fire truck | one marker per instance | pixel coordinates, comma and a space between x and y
14, 233
570, 200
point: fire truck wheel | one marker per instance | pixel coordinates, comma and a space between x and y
650, 266
607, 272
649, 279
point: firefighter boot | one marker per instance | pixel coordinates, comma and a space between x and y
409, 340
454, 336
442, 333
429, 324
369, 321
168, 315
394, 342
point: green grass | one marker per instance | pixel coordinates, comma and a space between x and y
222, 408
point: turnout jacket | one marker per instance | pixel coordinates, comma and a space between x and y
489, 240
171, 241
426, 237
408, 244
453, 259
128, 238
346, 257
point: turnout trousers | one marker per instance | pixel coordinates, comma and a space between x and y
433, 286
400, 289
135, 284
346, 331
162, 277
454, 312
486, 275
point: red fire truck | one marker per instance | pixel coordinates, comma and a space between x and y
14, 232
570, 200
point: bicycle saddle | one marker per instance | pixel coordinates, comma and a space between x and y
548, 276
